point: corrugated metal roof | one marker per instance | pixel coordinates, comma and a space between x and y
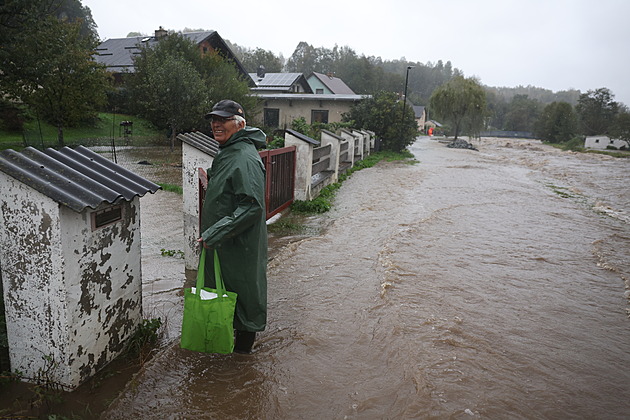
77, 178
201, 142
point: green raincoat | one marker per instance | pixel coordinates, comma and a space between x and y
233, 222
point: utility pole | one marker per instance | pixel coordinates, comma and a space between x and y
402, 118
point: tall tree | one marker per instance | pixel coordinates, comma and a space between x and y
621, 127
596, 110
462, 102
383, 114
303, 60
174, 85
557, 123
522, 114
56, 74
17, 15
175, 92
252, 59
51, 68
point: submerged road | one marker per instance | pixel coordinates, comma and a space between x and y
486, 284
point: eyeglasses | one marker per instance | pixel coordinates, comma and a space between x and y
216, 119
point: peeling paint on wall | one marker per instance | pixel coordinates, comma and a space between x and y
72, 292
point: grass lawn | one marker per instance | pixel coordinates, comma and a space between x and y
108, 125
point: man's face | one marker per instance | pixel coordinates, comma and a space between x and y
223, 128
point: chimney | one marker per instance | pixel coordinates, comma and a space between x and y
260, 72
160, 33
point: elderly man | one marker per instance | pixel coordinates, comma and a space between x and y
233, 219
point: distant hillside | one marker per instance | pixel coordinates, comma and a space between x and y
544, 96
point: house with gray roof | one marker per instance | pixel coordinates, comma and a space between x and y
421, 116
117, 53
328, 84
280, 82
289, 96
280, 109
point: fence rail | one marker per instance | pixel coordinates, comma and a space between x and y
280, 168
280, 180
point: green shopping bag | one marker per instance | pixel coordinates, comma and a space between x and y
208, 314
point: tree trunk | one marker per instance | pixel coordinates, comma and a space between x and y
173, 136
60, 135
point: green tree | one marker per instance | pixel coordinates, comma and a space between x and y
497, 109
557, 123
522, 114
621, 127
175, 92
462, 102
56, 74
303, 60
174, 85
252, 59
31, 57
17, 15
596, 110
383, 114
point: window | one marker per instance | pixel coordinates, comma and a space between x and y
271, 117
106, 216
320, 116
319, 91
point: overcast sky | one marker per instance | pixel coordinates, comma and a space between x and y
553, 44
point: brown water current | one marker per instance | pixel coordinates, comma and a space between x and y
490, 284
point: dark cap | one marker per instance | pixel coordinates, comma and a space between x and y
226, 108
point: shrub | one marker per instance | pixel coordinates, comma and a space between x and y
576, 144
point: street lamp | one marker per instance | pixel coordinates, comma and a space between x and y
402, 118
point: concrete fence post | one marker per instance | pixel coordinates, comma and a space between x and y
361, 140
334, 140
352, 143
193, 158
303, 162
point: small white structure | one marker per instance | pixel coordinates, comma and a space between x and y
354, 143
304, 162
335, 142
69, 260
360, 149
368, 143
198, 153
601, 142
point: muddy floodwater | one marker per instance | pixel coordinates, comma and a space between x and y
489, 284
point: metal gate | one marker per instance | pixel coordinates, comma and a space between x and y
280, 168
280, 180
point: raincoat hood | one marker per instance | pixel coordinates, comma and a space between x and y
252, 134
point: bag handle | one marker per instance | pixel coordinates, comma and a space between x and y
218, 279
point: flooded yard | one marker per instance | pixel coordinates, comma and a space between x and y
490, 284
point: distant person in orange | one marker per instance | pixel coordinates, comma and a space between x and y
430, 131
